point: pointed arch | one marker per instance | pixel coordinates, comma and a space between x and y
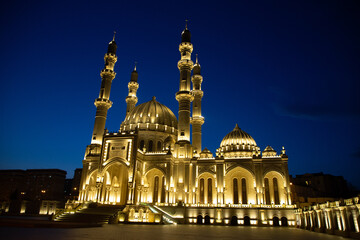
206, 186
276, 188
115, 183
153, 185
240, 173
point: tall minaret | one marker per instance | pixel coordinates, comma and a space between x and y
184, 95
133, 86
103, 103
197, 120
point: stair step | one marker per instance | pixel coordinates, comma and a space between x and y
100, 214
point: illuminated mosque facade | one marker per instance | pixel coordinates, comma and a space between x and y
155, 159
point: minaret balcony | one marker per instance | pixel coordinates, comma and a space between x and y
186, 45
197, 120
107, 73
197, 93
184, 95
103, 102
197, 79
131, 99
133, 84
110, 55
184, 63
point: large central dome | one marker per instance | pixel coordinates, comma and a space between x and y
150, 115
237, 143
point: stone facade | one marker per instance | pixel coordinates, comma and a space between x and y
151, 160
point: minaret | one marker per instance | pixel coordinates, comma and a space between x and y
184, 95
133, 86
197, 120
103, 103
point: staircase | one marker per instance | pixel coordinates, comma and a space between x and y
167, 218
93, 215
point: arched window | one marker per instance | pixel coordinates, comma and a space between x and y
158, 146
142, 144
156, 189
163, 190
235, 191
150, 148
209, 190
243, 191
267, 192
276, 191
202, 190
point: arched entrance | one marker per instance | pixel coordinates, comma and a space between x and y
115, 184
207, 219
199, 219
284, 222
234, 221
276, 222
246, 221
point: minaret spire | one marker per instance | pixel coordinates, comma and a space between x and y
103, 102
133, 86
186, 23
184, 95
114, 36
197, 119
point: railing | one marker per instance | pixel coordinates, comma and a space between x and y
167, 218
58, 213
61, 211
229, 205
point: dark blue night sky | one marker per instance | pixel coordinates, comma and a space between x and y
288, 72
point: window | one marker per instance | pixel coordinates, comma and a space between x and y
202, 190
150, 149
209, 190
276, 191
156, 189
267, 192
159, 146
243, 191
235, 191
142, 144
163, 190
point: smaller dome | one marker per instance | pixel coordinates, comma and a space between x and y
237, 137
206, 153
269, 152
269, 149
237, 143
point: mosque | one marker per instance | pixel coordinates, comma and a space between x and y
155, 160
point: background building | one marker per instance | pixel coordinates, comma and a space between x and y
32, 191
311, 188
72, 185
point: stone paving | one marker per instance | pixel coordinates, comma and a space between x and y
168, 232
